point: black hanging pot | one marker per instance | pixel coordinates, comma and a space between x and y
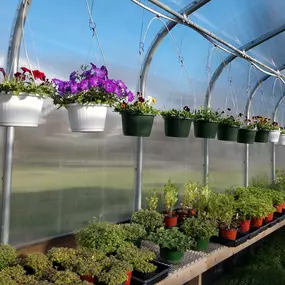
205, 129
262, 136
227, 132
177, 127
246, 136
137, 125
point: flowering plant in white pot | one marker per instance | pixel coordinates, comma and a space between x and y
86, 96
274, 133
21, 97
282, 136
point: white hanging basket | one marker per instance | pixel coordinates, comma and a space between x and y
282, 139
20, 111
274, 136
87, 118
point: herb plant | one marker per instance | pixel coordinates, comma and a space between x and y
170, 196
151, 220
172, 239
152, 200
7, 255
134, 231
199, 228
191, 190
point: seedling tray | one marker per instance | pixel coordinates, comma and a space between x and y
160, 274
241, 238
254, 232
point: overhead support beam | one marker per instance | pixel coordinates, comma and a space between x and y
189, 9
208, 35
250, 45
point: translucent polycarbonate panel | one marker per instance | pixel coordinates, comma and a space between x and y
259, 161
226, 164
279, 154
178, 159
61, 180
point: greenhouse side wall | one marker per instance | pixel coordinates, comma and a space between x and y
61, 180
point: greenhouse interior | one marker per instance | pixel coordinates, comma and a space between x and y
142, 142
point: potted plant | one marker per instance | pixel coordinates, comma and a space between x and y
151, 220
86, 96
264, 126
244, 210
222, 208
152, 200
282, 136
206, 123
137, 116
134, 233
17, 274
21, 98
247, 132
116, 274
274, 133
62, 257
7, 255
228, 127
201, 230
170, 199
101, 236
191, 190
173, 244
177, 123
62, 277
35, 263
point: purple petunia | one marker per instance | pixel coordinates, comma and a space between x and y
73, 76
95, 82
86, 74
74, 88
109, 86
131, 96
84, 85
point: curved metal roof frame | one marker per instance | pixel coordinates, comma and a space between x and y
189, 9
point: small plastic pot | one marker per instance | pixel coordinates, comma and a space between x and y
262, 136
170, 221
244, 226
279, 208
246, 136
128, 282
171, 256
205, 129
269, 218
257, 222
202, 244
230, 234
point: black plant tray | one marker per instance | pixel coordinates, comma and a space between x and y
241, 238
254, 232
279, 216
160, 274
274, 222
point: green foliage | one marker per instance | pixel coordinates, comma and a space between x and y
178, 114
152, 200
62, 256
17, 86
151, 220
64, 278
134, 231
37, 262
201, 203
88, 267
7, 255
191, 190
172, 239
206, 115
222, 208
230, 120
139, 258
16, 273
199, 228
102, 236
90, 253
170, 196
140, 107
116, 274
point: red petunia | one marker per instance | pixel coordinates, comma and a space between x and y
38, 75
2, 70
25, 69
19, 75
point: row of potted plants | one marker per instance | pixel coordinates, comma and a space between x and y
89, 92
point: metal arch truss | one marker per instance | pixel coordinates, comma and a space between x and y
142, 84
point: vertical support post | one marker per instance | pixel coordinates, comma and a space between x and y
206, 163
273, 163
139, 168
9, 132
246, 165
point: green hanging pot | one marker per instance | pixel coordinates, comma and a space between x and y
202, 244
227, 133
137, 125
177, 127
171, 256
246, 136
262, 136
205, 129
